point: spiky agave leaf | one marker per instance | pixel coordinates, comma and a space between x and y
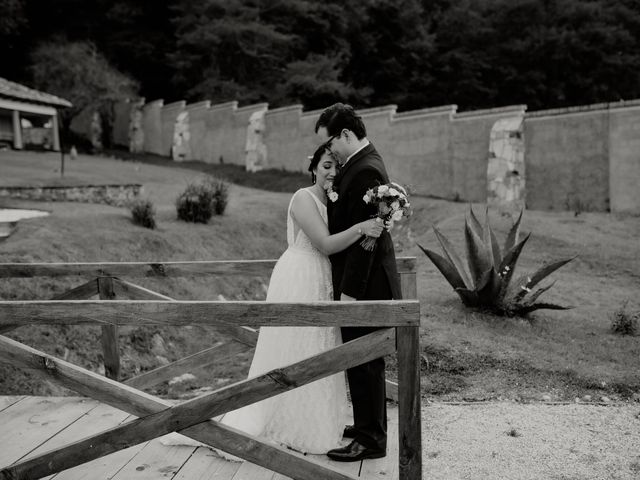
477, 256
453, 257
542, 273
525, 309
490, 242
534, 296
514, 233
495, 247
508, 265
475, 224
446, 268
469, 297
488, 289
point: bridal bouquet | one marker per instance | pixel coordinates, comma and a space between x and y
393, 204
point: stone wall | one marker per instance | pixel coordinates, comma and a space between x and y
470, 136
581, 158
115, 195
418, 153
624, 157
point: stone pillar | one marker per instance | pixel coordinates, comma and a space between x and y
55, 133
17, 131
505, 172
136, 130
255, 148
180, 151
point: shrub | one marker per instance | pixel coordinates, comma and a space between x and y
625, 322
201, 200
220, 194
143, 213
488, 283
195, 204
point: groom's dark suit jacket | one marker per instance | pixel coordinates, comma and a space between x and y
357, 272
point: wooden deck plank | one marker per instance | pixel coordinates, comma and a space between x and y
6, 402
155, 461
100, 417
206, 465
386, 467
33, 421
101, 468
51, 422
251, 471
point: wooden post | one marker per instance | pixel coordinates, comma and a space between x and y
409, 286
17, 131
55, 133
409, 418
109, 333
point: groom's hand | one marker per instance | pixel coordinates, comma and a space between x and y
346, 298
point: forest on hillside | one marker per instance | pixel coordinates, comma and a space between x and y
413, 53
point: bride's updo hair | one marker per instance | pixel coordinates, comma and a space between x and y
315, 160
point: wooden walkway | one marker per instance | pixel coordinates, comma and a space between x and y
30, 426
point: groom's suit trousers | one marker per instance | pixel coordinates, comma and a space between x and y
367, 381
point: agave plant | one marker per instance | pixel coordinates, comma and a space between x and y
488, 283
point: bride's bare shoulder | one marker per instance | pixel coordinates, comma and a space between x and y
303, 204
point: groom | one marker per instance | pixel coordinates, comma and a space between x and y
359, 274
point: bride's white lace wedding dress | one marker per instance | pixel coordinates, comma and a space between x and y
311, 418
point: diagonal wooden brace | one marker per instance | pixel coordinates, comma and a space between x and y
162, 420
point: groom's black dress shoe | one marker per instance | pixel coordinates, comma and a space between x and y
354, 452
350, 432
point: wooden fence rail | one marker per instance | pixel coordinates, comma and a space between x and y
146, 307
110, 287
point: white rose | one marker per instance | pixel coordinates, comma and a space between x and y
395, 205
382, 189
333, 196
394, 192
397, 215
366, 199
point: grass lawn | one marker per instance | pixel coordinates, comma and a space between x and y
466, 355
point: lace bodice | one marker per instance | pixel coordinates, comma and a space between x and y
295, 235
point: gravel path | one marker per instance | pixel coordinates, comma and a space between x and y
504, 440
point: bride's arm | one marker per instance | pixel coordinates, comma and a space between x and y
305, 212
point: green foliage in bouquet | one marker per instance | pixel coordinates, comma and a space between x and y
488, 284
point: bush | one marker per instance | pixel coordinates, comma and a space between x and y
201, 200
143, 213
488, 285
625, 322
220, 195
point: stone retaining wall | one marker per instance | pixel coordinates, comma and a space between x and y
115, 195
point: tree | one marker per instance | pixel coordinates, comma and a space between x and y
13, 23
391, 51
77, 72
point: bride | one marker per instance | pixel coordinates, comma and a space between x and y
310, 418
